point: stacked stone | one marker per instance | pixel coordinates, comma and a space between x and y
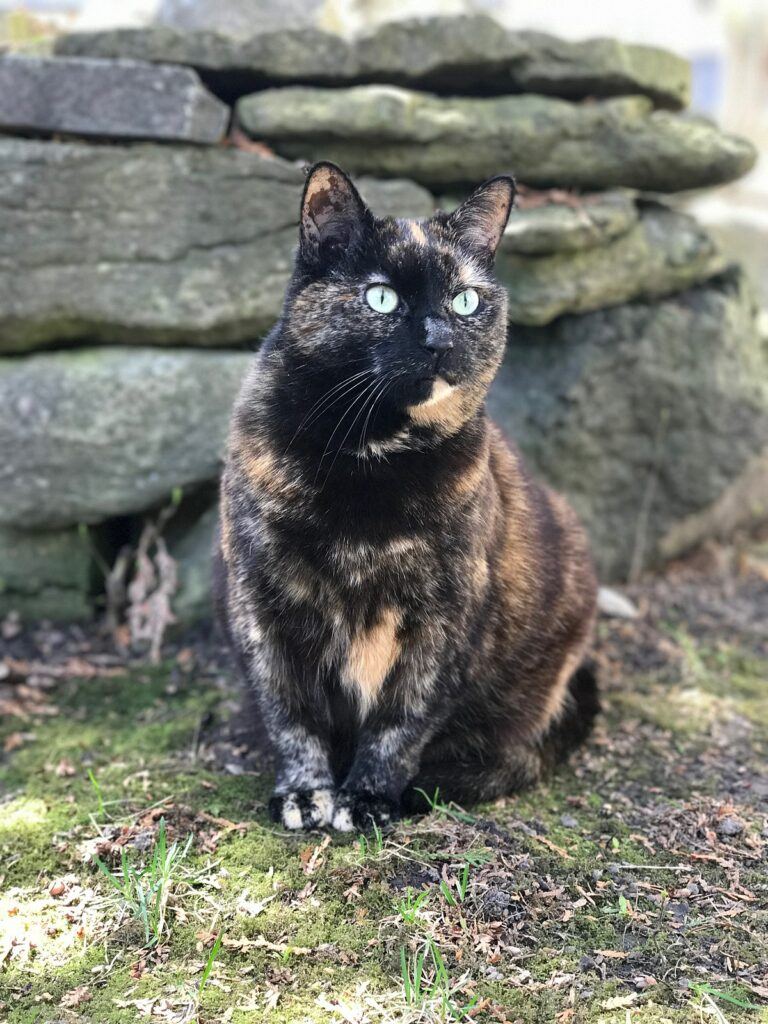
147, 254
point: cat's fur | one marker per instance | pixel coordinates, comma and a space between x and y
411, 608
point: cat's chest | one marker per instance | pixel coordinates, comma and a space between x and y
346, 576
354, 604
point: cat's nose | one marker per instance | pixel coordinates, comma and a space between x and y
437, 335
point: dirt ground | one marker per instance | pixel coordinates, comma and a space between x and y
631, 889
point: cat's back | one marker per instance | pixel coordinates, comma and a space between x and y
543, 553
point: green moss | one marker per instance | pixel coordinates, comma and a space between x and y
299, 936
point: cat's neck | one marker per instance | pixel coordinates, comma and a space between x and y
348, 423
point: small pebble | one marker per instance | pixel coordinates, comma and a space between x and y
568, 821
57, 888
616, 605
729, 826
495, 903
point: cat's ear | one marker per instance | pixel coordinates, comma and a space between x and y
481, 219
332, 213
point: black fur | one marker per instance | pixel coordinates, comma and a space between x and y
405, 599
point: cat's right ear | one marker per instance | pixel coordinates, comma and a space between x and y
332, 213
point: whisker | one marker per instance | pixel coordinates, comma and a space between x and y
370, 397
390, 380
362, 397
355, 377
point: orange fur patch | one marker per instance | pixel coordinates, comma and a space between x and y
417, 232
554, 702
371, 656
263, 470
443, 409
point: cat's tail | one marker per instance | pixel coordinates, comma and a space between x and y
582, 705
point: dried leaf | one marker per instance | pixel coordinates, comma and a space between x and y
76, 996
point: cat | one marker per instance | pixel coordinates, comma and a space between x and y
411, 608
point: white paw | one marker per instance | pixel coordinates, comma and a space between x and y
291, 813
303, 809
342, 820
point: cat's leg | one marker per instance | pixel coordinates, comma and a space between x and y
304, 785
303, 796
293, 715
386, 759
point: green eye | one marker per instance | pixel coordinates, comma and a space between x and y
382, 298
466, 302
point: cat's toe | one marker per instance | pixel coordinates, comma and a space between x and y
302, 809
363, 811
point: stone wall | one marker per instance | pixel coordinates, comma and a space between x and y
148, 214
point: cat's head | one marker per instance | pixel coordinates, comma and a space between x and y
409, 312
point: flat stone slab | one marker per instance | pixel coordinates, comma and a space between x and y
582, 223
151, 244
100, 432
467, 54
473, 53
642, 414
545, 142
110, 99
662, 253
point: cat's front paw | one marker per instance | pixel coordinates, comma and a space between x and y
302, 808
362, 811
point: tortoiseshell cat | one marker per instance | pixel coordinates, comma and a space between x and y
411, 608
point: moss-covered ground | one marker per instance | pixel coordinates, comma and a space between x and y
632, 888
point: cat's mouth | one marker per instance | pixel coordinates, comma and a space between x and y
433, 389
426, 387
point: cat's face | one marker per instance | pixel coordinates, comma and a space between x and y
406, 315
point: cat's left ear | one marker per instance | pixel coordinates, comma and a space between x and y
481, 219
332, 213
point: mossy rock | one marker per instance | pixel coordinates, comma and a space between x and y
48, 575
102, 432
151, 244
458, 140
570, 226
663, 253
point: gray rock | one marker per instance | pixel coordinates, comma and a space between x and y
101, 432
230, 65
470, 54
587, 221
474, 53
742, 505
642, 414
49, 575
729, 826
112, 99
544, 141
662, 253
238, 17
150, 244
